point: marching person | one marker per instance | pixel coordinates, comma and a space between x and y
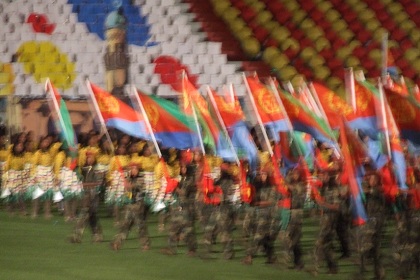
89, 212
117, 193
13, 179
264, 204
371, 232
329, 201
135, 214
291, 228
44, 178
182, 213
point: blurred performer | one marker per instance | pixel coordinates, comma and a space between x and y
103, 160
168, 168
88, 214
224, 204
44, 178
4, 154
264, 202
414, 204
291, 228
182, 213
13, 179
206, 171
118, 193
66, 172
329, 201
135, 213
147, 162
371, 232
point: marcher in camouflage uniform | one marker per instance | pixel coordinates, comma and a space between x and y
371, 233
329, 202
88, 214
414, 237
135, 213
291, 231
265, 228
223, 215
182, 213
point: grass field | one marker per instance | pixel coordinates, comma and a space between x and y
38, 249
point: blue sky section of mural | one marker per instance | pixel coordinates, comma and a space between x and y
94, 13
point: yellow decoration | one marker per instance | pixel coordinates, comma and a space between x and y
251, 46
6, 79
43, 60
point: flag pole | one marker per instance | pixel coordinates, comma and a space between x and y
49, 89
98, 112
251, 97
350, 88
384, 54
134, 95
194, 113
222, 124
383, 118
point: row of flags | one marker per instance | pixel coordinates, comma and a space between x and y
288, 123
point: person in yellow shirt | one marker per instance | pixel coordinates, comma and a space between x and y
68, 179
167, 168
103, 160
147, 162
4, 153
13, 171
44, 178
118, 193
28, 178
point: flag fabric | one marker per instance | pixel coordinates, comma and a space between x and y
405, 110
67, 134
268, 108
118, 114
170, 125
352, 155
234, 121
387, 125
333, 105
365, 118
306, 121
212, 133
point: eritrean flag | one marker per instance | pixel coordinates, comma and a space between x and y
67, 134
334, 106
234, 121
268, 107
387, 125
306, 121
352, 165
170, 125
117, 114
211, 131
406, 111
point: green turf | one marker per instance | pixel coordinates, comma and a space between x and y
38, 249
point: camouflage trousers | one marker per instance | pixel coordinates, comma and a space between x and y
248, 218
369, 243
204, 216
415, 240
406, 244
222, 220
181, 227
88, 215
264, 233
324, 242
290, 239
401, 245
135, 214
